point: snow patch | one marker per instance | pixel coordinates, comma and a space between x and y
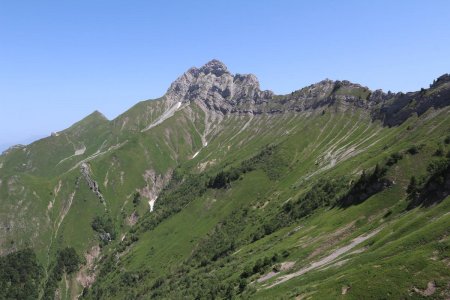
196, 153
151, 203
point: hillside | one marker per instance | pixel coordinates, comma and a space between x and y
220, 190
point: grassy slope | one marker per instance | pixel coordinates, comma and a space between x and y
315, 147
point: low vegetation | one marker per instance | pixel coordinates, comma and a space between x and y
67, 262
20, 275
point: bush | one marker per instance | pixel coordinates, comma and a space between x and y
394, 158
433, 188
439, 151
104, 226
447, 140
413, 150
260, 266
69, 260
412, 189
136, 199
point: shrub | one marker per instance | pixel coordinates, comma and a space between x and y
413, 150
136, 199
447, 140
394, 158
104, 226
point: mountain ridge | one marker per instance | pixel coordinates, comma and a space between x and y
224, 92
208, 194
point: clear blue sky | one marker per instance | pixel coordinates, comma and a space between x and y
61, 60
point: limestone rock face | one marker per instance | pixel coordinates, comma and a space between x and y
217, 90
220, 90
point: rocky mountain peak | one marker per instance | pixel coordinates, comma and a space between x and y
215, 67
214, 86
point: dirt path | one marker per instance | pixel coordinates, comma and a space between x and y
328, 259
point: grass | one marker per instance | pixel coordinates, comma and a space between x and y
312, 147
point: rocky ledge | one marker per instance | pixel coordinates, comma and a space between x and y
216, 88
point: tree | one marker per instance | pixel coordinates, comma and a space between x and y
20, 275
69, 259
412, 188
242, 284
136, 199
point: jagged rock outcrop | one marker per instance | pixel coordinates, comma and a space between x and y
93, 185
402, 106
214, 87
220, 90
154, 184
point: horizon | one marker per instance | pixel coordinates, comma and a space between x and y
66, 60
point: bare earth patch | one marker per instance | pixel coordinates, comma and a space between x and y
345, 289
333, 238
430, 290
284, 267
86, 276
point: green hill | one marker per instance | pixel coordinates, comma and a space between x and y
219, 190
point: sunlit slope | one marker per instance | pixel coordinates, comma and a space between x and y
311, 148
221, 190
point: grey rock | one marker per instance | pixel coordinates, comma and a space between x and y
216, 87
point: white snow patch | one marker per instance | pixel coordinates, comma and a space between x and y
167, 114
151, 203
196, 153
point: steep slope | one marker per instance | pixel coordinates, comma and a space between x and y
203, 250
190, 190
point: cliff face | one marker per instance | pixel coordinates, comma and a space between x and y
401, 106
219, 90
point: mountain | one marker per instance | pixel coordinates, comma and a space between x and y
221, 190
